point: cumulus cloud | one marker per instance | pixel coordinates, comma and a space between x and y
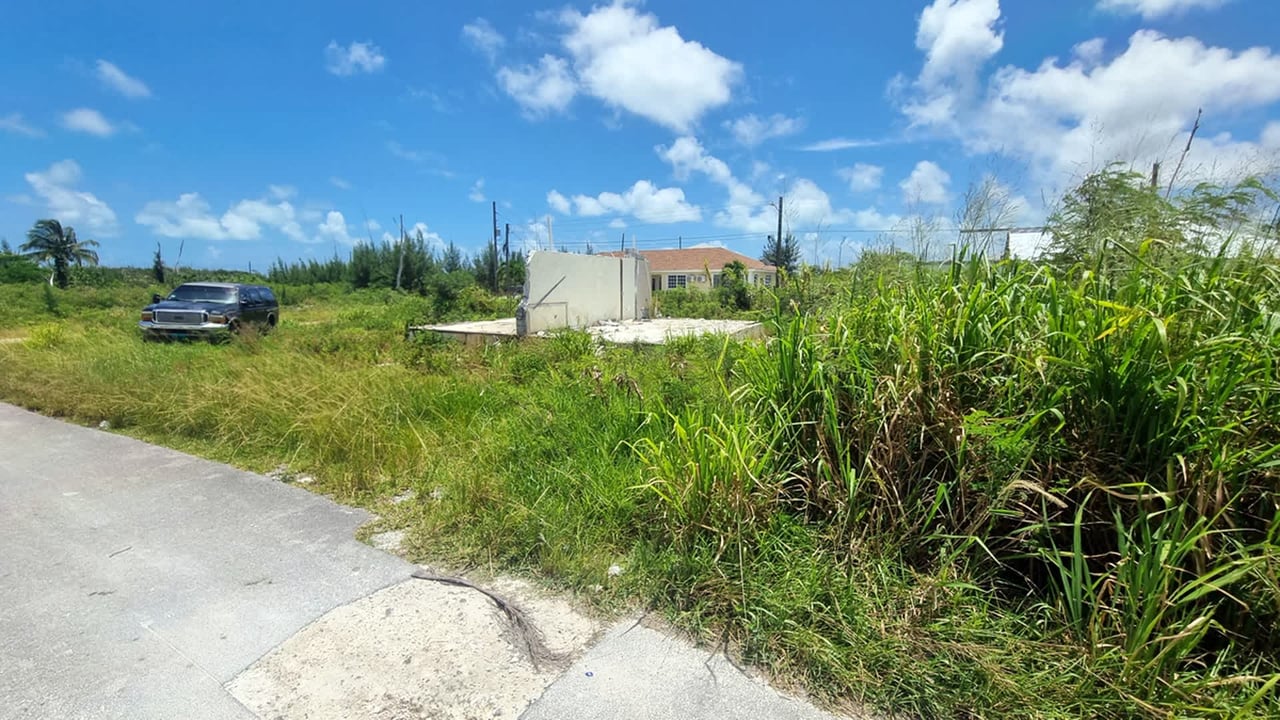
120, 81
13, 123
643, 201
541, 89
56, 186
190, 216
958, 37
356, 58
1074, 115
687, 156
431, 237
1152, 9
482, 36
806, 205
926, 184
477, 191
751, 130
558, 202
862, 176
626, 59
89, 121
630, 62
335, 229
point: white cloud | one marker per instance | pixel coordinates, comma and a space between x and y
862, 176
14, 123
558, 202
432, 238
626, 59
355, 58
643, 201
927, 184
687, 156
629, 61
958, 37
839, 144
190, 216
540, 89
56, 186
1151, 9
806, 205
373, 225
477, 191
334, 229
751, 130
483, 37
282, 192
1071, 116
87, 120
120, 81
339, 183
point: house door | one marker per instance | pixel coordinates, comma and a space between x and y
657, 282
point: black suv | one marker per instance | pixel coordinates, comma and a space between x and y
209, 310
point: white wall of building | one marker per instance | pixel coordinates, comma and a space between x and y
564, 290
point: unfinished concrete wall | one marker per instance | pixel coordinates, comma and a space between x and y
563, 290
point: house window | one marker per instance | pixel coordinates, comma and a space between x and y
677, 281
717, 280
768, 279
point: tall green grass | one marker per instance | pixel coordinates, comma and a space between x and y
1104, 445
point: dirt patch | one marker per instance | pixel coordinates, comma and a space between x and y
440, 650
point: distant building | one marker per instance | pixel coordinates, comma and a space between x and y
699, 268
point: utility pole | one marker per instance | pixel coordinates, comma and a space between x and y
622, 247
780, 241
493, 243
400, 269
680, 241
506, 245
551, 243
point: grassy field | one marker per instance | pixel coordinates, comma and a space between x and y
982, 490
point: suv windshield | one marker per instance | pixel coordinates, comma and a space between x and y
203, 293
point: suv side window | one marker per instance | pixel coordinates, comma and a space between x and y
249, 295
267, 296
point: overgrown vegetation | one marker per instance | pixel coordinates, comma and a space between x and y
980, 489
409, 264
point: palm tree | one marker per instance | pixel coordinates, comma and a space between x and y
48, 241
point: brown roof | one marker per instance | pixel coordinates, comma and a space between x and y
695, 259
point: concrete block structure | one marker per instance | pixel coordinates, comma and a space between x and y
565, 290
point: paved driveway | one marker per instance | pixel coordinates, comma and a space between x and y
135, 581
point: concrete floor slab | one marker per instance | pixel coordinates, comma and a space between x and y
655, 331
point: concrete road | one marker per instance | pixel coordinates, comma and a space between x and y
638, 673
136, 581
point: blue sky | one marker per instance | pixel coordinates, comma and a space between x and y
250, 131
